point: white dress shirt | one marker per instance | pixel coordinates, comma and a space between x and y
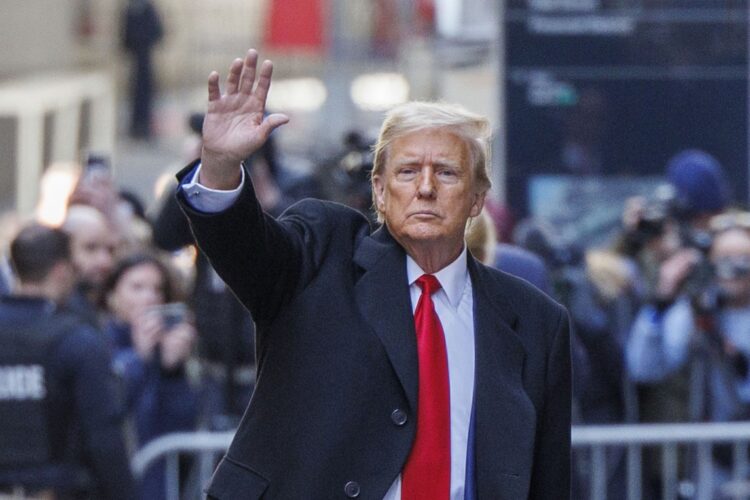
454, 305
211, 201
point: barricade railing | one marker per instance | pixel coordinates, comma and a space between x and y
698, 438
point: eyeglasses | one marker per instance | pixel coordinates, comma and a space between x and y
732, 267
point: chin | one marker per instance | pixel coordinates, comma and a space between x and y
423, 235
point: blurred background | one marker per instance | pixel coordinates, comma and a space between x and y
338, 65
605, 89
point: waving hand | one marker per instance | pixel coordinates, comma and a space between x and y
235, 125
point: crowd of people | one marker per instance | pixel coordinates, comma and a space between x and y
130, 349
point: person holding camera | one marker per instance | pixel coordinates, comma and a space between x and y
689, 348
678, 375
152, 340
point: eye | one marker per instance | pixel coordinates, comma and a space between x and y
405, 173
447, 174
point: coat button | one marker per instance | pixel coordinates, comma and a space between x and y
351, 489
399, 417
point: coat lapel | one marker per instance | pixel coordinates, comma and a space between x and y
505, 416
382, 295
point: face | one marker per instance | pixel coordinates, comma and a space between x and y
730, 254
426, 192
93, 249
139, 288
64, 279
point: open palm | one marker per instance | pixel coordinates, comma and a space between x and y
235, 125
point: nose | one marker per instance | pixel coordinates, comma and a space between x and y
152, 297
426, 187
103, 259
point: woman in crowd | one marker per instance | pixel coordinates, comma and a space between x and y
152, 340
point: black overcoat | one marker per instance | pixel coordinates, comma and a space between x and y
337, 361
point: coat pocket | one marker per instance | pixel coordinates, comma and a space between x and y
235, 481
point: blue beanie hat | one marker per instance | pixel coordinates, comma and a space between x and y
699, 181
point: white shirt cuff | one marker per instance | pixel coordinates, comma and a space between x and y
209, 200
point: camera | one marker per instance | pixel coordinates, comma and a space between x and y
96, 165
172, 314
662, 206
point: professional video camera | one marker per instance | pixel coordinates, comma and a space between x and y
658, 210
666, 212
666, 206
707, 298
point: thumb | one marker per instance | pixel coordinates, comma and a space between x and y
271, 122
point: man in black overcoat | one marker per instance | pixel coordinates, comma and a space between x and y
391, 364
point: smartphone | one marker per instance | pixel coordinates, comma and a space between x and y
96, 164
172, 314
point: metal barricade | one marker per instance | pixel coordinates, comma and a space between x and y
699, 438
206, 446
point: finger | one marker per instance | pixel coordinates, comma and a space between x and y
233, 78
264, 80
213, 87
248, 71
271, 122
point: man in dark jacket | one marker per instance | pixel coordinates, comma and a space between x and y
61, 420
391, 364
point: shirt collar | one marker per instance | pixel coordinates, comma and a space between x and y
452, 277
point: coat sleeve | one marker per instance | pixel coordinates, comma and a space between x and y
263, 260
659, 343
550, 477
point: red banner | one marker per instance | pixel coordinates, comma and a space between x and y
425, 10
295, 24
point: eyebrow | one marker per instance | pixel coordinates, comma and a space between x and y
415, 160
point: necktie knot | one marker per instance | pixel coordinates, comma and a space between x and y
428, 283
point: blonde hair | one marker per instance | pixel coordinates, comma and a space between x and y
481, 238
410, 117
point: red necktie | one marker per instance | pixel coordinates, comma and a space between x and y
427, 473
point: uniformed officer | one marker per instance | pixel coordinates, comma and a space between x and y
61, 430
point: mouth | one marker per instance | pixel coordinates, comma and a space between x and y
424, 214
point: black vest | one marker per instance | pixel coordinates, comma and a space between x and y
25, 354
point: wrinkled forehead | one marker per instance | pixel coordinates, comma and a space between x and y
442, 144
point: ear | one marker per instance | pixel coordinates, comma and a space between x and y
378, 187
476, 206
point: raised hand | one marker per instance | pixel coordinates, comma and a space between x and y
235, 125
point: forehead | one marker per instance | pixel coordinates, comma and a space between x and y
440, 143
732, 242
95, 236
146, 271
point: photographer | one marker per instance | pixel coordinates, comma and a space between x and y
673, 245
679, 374
152, 343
